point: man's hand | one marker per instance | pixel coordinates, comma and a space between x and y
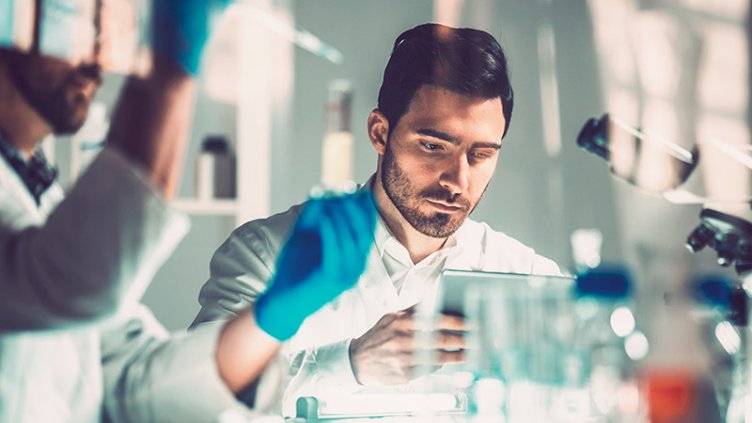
324, 256
386, 353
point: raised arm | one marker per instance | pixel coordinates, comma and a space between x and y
115, 228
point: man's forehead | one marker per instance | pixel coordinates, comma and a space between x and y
439, 110
428, 96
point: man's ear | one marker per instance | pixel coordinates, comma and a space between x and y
378, 130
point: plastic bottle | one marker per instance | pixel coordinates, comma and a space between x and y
337, 155
606, 346
740, 404
215, 173
728, 304
676, 377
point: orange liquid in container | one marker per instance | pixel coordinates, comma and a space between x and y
670, 395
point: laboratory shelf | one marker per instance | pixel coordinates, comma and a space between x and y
208, 207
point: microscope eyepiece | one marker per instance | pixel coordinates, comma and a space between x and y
593, 137
699, 238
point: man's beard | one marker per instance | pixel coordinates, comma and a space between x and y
397, 185
65, 116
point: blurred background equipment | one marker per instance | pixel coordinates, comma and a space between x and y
625, 148
115, 31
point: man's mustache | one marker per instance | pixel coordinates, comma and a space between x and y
91, 72
442, 195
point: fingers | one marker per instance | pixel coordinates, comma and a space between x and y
398, 322
339, 249
311, 213
447, 357
449, 322
449, 341
346, 224
449, 329
352, 239
410, 310
357, 219
438, 358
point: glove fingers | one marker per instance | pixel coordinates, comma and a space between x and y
301, 253
357, 218
312, 211
367, 205
339, 247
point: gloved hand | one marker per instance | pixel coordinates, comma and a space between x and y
181, 29
324, 256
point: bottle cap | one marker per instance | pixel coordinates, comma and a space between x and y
607, 282
712, 289
215, 144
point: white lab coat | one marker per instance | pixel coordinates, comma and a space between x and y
66, 266
317, 358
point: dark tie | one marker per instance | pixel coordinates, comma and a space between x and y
36, 173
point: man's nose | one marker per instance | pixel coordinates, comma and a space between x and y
91, 70
456, 178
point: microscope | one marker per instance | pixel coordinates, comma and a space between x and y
725, 220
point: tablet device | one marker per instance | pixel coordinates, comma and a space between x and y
455, 285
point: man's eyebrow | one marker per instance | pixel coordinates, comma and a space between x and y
448, 138
438, 134
487, 145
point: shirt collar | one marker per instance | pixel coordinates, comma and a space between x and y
35, 172
382, 235
9, 151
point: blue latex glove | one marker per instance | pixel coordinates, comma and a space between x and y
324, 256
181, 29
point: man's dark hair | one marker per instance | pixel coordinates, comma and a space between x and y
463, 60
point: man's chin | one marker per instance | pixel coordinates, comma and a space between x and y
440, 225
69, 125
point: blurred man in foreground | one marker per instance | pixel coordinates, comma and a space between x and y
75, 345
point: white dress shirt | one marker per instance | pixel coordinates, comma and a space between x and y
317, 357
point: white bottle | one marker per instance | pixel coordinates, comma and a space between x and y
337, 150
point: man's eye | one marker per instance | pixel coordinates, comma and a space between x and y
430, 146
482, 154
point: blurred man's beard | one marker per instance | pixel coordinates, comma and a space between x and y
397, 185
64, 115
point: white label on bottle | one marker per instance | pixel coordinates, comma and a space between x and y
336, 166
